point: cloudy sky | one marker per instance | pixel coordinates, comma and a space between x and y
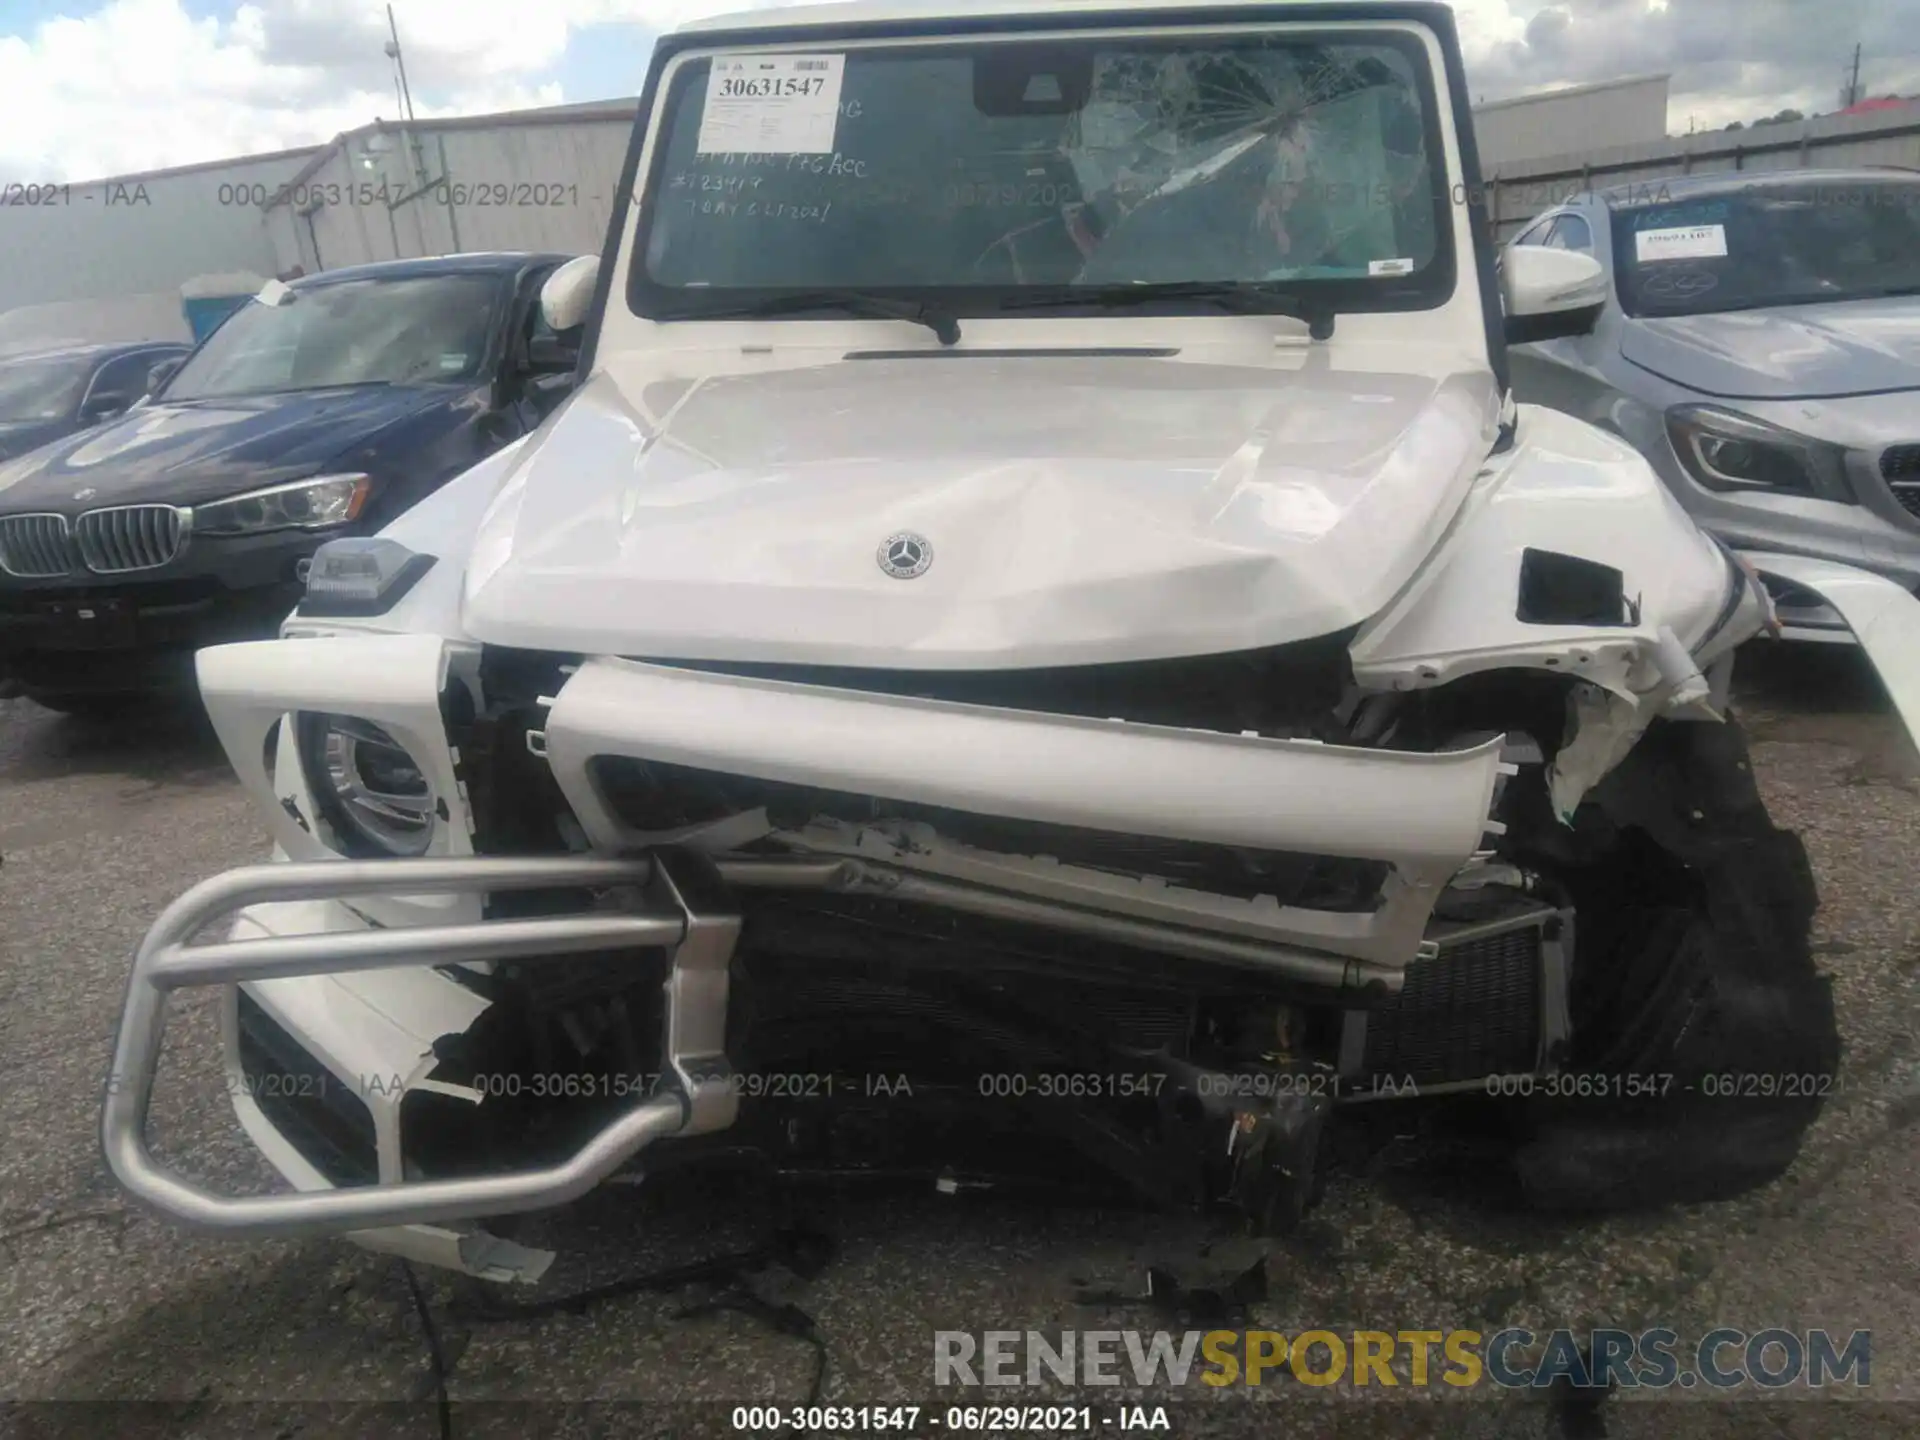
94, 88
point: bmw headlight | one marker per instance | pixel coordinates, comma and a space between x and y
1729, 452
303, 505
370, 793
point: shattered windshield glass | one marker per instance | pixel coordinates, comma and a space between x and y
975, 169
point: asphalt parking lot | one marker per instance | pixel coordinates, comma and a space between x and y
100, 825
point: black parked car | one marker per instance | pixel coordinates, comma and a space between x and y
318, 409
51, 393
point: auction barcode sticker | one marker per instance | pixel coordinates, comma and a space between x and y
1681, 242
772, 104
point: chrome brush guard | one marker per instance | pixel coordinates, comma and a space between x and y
675, 912
671, 900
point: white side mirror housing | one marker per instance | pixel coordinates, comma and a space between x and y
567, 294
1549, 294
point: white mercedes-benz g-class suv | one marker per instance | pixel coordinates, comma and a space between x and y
1041, 622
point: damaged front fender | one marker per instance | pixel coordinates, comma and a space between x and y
1570, 558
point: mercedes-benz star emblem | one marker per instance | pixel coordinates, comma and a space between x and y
905, 555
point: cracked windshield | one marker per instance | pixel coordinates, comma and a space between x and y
1266, 159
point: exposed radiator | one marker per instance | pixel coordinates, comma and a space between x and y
1492, 1002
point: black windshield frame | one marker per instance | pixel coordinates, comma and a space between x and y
1432, 285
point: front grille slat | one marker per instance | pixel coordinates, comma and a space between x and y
129, 537
35, 546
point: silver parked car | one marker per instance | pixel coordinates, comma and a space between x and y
1761, 346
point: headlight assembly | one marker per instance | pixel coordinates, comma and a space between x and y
1728, 452
370, 793
315, 504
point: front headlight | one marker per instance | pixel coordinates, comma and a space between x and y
1728, 452
303, 505
371, 794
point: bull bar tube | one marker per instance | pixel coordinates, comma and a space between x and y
687, 912
675, 914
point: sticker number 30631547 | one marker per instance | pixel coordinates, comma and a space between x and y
772, 104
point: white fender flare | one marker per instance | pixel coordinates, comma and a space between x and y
1884, 618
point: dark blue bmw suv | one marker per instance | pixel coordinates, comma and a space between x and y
318, 409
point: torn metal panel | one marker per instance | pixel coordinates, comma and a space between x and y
1461, 614
1603, 728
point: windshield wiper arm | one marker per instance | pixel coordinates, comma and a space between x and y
1242, 299
853, 302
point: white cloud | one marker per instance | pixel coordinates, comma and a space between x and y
139, 84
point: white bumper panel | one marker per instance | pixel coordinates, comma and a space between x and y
378, 1024
1425, 815
1884, 618
1197, 785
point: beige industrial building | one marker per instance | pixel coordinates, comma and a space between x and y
1630, 111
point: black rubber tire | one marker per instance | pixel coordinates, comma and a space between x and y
1696, 988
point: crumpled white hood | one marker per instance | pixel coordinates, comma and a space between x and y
1079, 509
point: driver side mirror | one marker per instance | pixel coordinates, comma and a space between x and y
567, 293
1550, 294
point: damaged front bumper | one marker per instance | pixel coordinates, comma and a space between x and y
307, 959
1422, 817
697, 1095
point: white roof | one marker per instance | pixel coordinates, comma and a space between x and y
858, 12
